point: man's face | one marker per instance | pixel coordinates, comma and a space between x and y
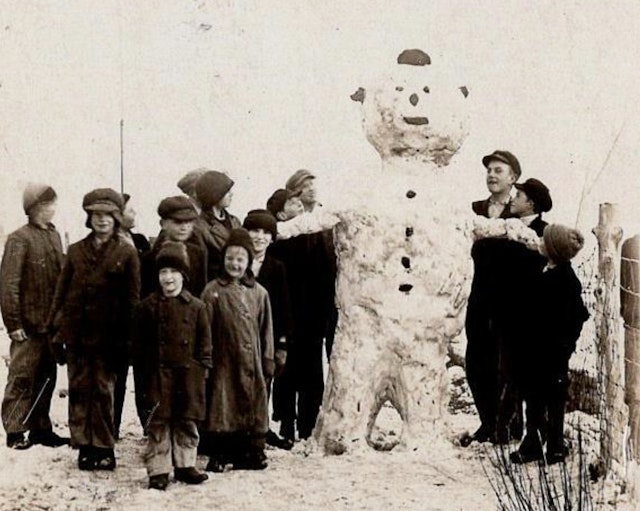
236, 262
292, 208
128, 217
102, 222
171, 281
261, 239
521, 205
177, 230
308, 192
225, 202
44, 212
500, 177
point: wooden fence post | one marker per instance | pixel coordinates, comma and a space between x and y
630, 300
613, 415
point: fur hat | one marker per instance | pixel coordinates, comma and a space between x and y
187, 183
261, 219
538, 192
37, 193
211, 187
504, 157
173, 254
294, 183
562, 243
239, 238
177, 208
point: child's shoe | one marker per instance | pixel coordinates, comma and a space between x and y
279, 442
216, 464
159, 482
105, 459
190, 475
251, 461
18, 441
48, 438
86, 459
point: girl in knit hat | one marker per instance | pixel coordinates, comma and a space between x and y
237, 418
561, 314
92, 314
173, 355
213, 190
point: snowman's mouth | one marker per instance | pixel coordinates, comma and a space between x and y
416, 121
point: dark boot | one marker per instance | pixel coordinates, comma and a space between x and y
276, 441
190, 475
251, 461
48, 438
18, 441
105, 458
216, 464
86, 458
159, 482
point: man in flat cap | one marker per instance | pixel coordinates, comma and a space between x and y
31, 264
500, 414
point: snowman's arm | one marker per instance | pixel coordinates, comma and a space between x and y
307, 223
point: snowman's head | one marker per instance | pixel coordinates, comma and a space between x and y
415, 112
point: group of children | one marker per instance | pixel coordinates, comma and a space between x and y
203, 317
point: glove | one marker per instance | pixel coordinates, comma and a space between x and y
59, 353
281, 360
18, 335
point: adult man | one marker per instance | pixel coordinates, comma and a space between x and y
31, 264
487, 310
309, 260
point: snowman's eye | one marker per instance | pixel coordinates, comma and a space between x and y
399, 89
426, 89
464, 90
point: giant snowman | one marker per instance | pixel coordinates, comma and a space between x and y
403, 261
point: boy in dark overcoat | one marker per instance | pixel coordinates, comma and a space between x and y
31, 263
173, 354
561, 313
237, 417
92, 314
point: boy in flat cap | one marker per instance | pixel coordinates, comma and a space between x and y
173, 354
531, 201
92, 314
560, 314
487, 310
213, 190
31, 264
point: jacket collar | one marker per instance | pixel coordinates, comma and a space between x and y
248, 279
184, 296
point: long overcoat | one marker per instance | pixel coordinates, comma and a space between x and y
242, 337
172, 349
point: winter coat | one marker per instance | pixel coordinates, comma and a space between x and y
481, 208
273, 278
172, 350
197, 278
242, 334
96, 294
214, 234
31, 264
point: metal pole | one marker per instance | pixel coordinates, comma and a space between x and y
121, 155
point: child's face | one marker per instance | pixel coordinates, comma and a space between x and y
102, 222
236, 262
292, 208
171, 281
261, 239
177, 230
225, 202
521, 205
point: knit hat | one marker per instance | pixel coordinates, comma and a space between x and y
276, 202
211, 187
36, 193
188, 182
173, 254
103, 199
177, 208
537, 192
505, 157
562, 243
294, 183
261, 219
239, 238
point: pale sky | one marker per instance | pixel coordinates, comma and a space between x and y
259, 89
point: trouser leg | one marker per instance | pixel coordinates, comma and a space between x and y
157, 456
310, 386
120, 387
184, 441
482, 375
284, 395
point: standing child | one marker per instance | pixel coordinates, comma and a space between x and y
173, 353
237, 417
92, 313
561, 316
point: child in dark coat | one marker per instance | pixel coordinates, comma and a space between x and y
562, 314
173, 352
237, 417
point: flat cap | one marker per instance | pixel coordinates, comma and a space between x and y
538, 192
505, 157
103, 199
299, 176
177, 208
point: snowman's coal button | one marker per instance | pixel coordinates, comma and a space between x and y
406, 262
408, 232
405, 288
411, 194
